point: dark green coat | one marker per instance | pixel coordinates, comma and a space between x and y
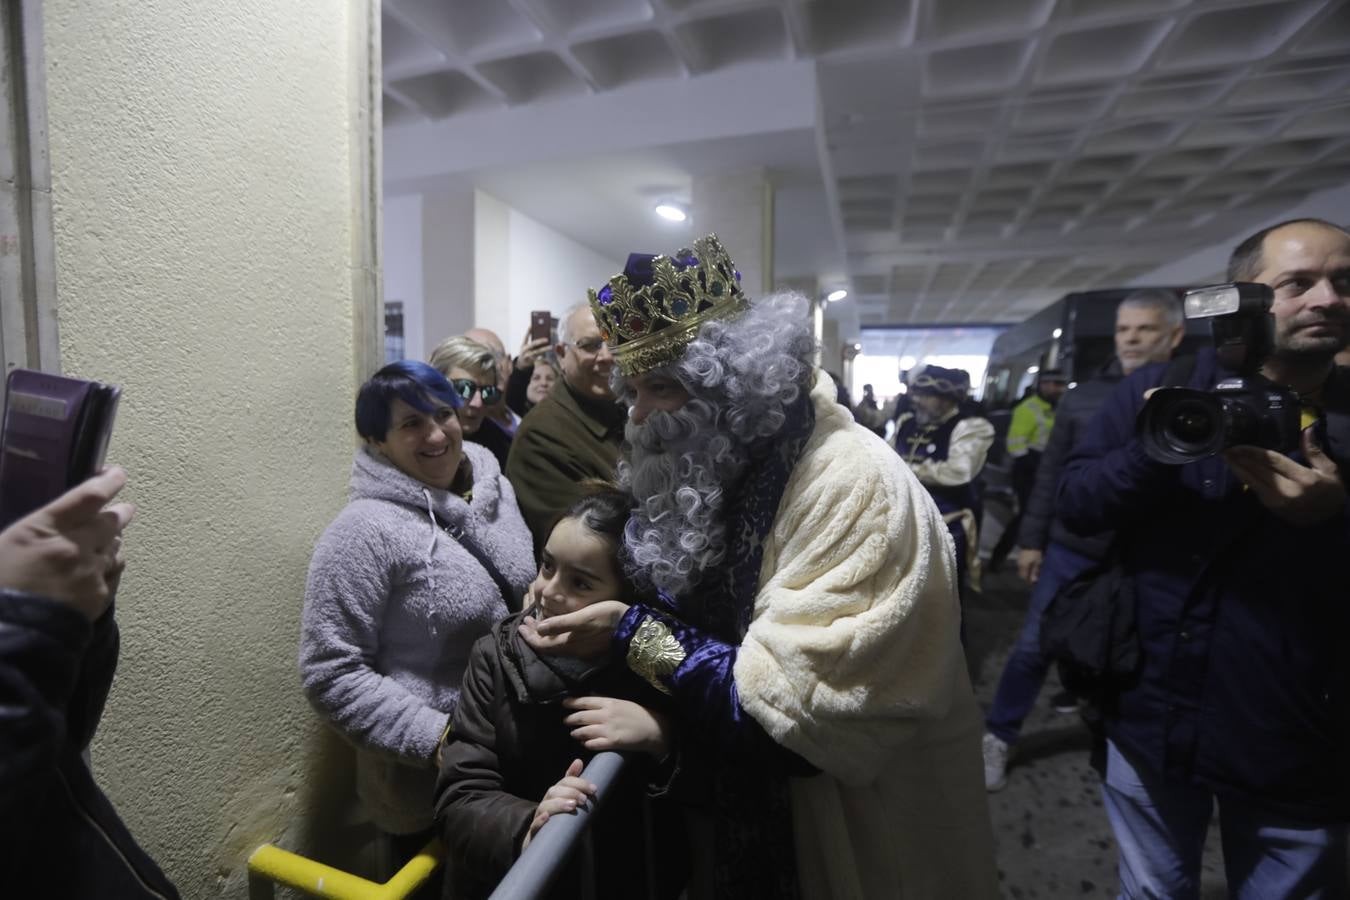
565, 439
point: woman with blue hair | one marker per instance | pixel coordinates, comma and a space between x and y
429, 552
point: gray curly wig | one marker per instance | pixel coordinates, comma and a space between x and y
742, 375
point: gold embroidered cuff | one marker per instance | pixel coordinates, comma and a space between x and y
653, 652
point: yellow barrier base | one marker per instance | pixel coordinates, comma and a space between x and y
318, 880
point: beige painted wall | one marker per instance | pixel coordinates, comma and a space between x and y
203, 177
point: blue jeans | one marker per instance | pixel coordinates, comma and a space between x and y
1160, 828
1026, 667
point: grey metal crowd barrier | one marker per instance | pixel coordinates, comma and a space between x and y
555, 842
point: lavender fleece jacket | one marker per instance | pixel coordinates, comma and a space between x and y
393, 605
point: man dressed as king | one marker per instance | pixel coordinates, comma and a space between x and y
802, 608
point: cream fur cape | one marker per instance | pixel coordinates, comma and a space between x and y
853, 661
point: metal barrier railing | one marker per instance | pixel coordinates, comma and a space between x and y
270, 864
528, 879
532, 874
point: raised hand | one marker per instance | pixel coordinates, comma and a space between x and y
530, 351
71, 549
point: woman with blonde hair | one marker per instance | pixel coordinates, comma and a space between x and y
471, 369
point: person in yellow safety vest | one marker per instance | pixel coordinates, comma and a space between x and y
1028, 432
1033, 418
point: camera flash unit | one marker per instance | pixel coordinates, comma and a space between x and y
1226, 299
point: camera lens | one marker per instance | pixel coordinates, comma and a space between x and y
1192, 425
1178, 425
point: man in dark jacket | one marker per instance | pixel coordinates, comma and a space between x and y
573, 434
1148, 328
59, 569
1238, 564
1029, 430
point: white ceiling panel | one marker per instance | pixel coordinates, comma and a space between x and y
971, 159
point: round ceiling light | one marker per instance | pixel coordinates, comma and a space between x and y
671, 212
836, 296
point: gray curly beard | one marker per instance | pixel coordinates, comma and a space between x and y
678, 466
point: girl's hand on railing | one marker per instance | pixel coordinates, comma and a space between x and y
605, 723
564, 797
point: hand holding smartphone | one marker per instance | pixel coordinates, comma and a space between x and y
55, 436
541, 325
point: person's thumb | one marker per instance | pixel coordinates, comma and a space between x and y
1317, 457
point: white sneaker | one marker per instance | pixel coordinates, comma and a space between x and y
995, 763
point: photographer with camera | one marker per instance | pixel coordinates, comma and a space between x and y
1237, 557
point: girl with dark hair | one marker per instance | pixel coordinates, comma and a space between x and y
523, 720
429, 552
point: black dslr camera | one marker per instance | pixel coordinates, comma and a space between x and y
1179, 425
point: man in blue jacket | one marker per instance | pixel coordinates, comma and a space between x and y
59, 569
1149, 326
1239, 567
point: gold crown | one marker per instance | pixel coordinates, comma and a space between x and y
650, 311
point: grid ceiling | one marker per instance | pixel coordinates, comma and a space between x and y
981, 158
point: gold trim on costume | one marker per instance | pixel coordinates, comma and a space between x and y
654, 652
967, 520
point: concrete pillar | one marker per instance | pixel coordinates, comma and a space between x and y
830, 347
447, 267
738, 206
213, 251
402, 235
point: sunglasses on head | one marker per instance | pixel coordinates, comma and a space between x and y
467, 387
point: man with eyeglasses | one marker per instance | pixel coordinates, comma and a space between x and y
572, 434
